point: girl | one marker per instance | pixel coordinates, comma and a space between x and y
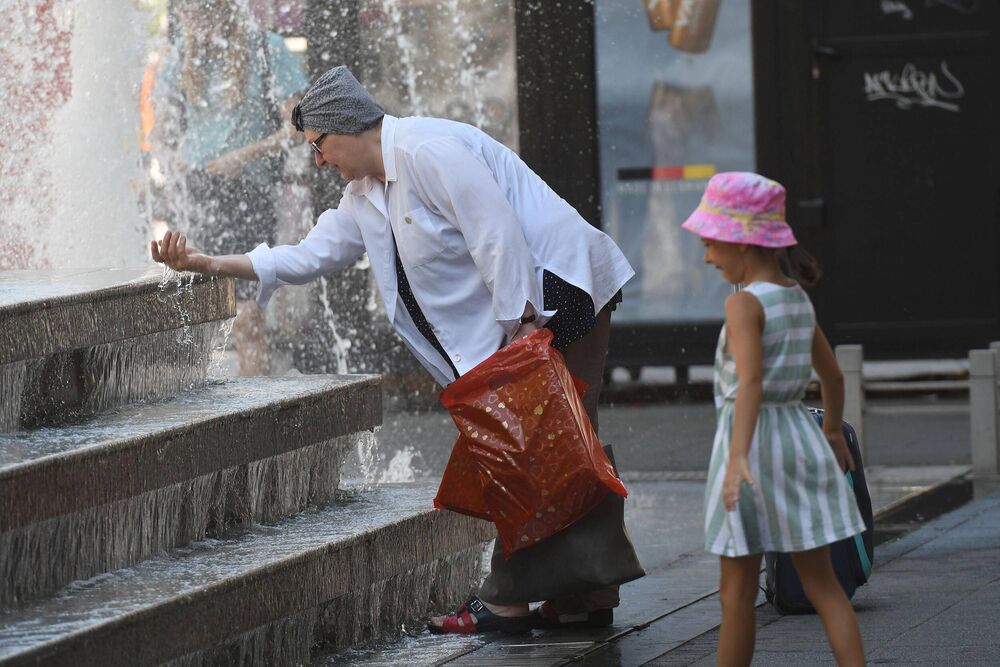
776, 481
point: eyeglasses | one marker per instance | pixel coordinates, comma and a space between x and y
315, 144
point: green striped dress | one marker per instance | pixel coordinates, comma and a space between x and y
800, 498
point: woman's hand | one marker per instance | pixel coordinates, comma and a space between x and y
737, 472
172, 250
840, 449
522, 331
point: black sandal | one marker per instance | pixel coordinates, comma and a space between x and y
463, 621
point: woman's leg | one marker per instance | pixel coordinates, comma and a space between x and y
585, 359
738, 582
827, 596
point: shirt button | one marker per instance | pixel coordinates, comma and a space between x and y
457, 357
408, 220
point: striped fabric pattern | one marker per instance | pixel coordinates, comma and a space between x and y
800, 498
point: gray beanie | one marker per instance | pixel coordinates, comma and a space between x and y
337, 103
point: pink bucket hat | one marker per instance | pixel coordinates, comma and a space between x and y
742, 207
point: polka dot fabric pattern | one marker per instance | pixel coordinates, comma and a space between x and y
526, 457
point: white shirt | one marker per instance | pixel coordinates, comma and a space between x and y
475, 227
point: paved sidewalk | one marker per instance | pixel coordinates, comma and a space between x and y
670, 616
934, 599
677, 436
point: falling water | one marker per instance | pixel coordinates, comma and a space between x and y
406, 47
381, 610
365, 567
400, 468
95, 154
71, 163
37, 39
39, 558
71, 385
341, 345
11, 391
360, 472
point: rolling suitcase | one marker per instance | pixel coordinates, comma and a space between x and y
852, 557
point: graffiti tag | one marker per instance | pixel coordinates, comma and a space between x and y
913, 87
897, 7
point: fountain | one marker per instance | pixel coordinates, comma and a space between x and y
204, 520
153, 510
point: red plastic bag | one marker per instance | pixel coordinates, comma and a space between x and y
526, 457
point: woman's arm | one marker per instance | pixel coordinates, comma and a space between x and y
831, 381
744, 326
172, 250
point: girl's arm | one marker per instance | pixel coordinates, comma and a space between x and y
232, 162
744, 326
831, 381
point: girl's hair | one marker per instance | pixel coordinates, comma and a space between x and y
799, 265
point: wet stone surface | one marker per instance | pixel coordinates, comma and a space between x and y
224, 399
200, 595
47, 312
69, 386
145, 446
39, 558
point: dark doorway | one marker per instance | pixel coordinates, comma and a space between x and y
881, 117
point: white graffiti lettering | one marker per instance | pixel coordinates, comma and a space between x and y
912, 87
897, 7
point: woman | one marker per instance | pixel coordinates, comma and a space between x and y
219, 98
470, 250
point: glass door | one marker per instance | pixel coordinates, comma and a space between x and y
675, 105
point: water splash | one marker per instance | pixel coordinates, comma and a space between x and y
400, 468
406, 47
176, 289
361, 471
219, 341
341, 344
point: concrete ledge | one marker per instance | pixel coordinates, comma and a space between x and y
47, 312
68, 386
40, 558
55, 471
215, 591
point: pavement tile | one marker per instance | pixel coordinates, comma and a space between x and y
935, 599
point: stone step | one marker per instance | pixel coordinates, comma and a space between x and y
76, 342
83, 499
331, 577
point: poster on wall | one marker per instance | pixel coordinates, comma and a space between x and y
675, 106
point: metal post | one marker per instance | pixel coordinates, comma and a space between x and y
995, 347
983, 411
850, 358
